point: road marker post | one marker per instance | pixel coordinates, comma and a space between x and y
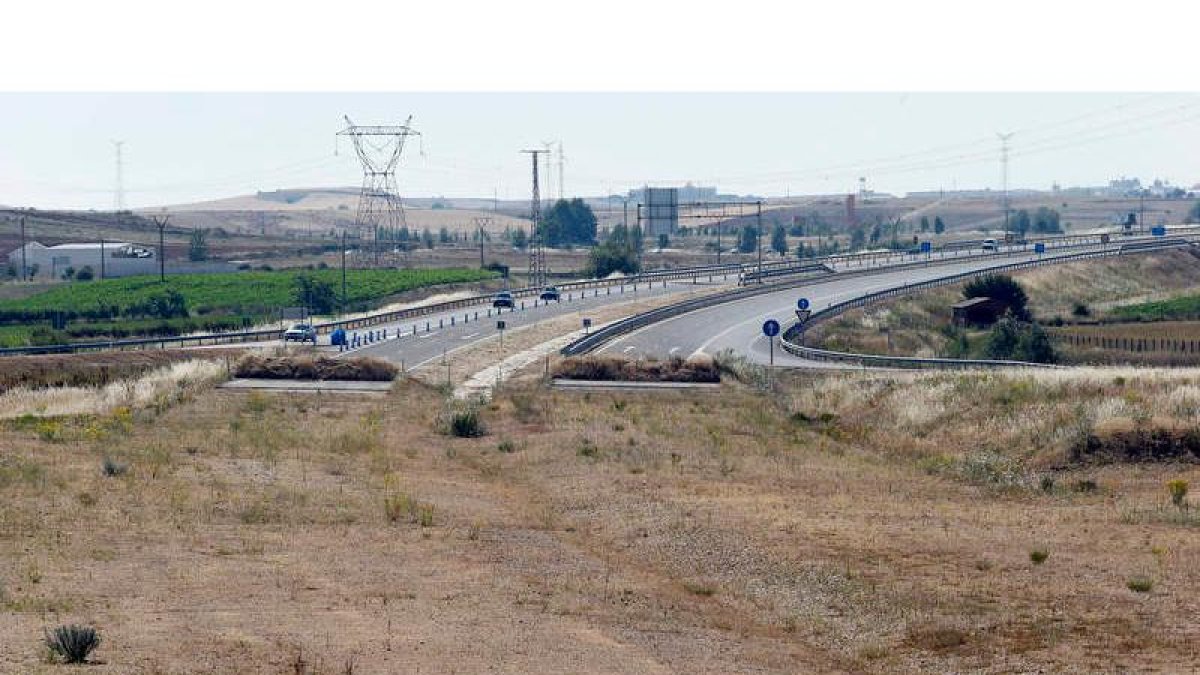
500, 326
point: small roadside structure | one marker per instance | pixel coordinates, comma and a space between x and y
980, 311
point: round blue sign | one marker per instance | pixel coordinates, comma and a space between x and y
770, 328
802, 303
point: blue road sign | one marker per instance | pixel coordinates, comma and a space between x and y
1039, 247
1158, 231
926, 247
802, 303
770, 328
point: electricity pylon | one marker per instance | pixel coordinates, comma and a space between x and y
380, 209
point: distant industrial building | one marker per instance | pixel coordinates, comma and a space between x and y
120, 259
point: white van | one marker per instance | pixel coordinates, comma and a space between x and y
990, 245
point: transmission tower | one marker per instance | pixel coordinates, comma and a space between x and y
1004, 174
119, 192
561, 159
380, 210
537, 256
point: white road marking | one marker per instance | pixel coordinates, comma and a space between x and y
629, 349
468, 337
425, 336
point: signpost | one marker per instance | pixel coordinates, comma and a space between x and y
587, 325
1159, 231
770, 328
1039, 248
500, 326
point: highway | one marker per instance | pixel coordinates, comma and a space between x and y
738, 325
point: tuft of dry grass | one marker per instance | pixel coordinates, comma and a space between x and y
604, 368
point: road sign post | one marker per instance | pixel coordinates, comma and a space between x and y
770, 328
587, 326
500, 326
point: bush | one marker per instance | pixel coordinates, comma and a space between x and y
614, 369
462, 420
1038, 556
1178, 489
85, 273
112, 468
1140, 584
1081, 309
72, 643
1000, 287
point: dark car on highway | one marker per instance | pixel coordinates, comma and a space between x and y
551, 293
301, 332
503, 299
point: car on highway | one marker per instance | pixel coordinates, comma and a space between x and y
990, 245
301, 332
503, 299
550, 293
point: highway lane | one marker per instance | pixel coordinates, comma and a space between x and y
738, 325
415, 350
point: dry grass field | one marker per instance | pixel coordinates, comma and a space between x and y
852, 523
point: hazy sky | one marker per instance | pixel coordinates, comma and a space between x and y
56, 150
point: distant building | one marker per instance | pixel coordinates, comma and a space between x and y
686, 193
121, 259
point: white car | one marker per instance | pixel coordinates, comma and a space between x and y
301, 332
990, 245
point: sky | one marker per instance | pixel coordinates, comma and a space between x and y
56, 150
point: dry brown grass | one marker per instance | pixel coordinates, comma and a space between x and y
604, 368
94, 370
668, 532
308, 367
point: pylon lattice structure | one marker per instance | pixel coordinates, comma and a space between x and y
380, 210
537, 254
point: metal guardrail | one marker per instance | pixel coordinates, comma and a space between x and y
787, 339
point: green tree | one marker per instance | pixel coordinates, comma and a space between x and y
779, 240
1193, 214
663, 241
85, 273
519, 239
1046, 221
198, 245
569, 222
938, 225
748, 240
637, 239
317, 295
427, 238
858, 238
924, 223
1003, 288
617, 254
1020, 222
444, 236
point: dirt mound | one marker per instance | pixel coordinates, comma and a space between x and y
1158, 439
360, 369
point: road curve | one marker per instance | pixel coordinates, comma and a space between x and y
737, 325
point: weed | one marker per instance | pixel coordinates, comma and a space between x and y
256, 403
1085, 485
462, 420
1038, 556
50, 431
1047, 483
72, 643
1178, 489
704, 590
507, 446
1140, 584
403, 507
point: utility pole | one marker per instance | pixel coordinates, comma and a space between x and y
119, 193
1141, 210
162, 251
760, 242
343, 271
101, 257
537, 256
561, 192
24, 260
1004, 175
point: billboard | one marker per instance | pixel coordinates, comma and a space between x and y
661, 211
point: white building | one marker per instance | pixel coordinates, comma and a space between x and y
121, 259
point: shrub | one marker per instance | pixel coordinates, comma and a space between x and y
1081, 309
403, 507
1038, 556
463, 421
616, 369
72, 643
1178, 489
111, 467
588, 449
507, 446
1003, 288
1140, 584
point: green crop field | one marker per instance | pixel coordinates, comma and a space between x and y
1180, 307
250, 292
